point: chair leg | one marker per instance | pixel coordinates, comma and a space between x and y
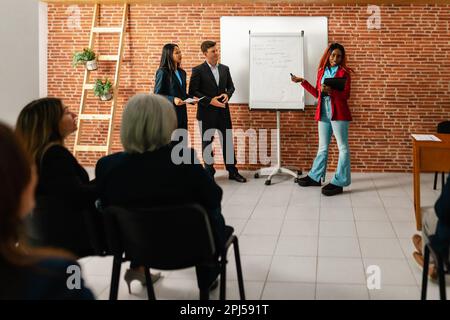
426, 263
223, 276
115, 278
435, 180
204, 294
441, 277
237, 258
148, 279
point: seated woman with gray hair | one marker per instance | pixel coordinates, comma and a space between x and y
145, 175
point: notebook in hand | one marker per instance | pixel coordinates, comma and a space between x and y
335, 83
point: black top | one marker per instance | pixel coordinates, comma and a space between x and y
167, 84
63, 195
47, 280
152, 179
203, 84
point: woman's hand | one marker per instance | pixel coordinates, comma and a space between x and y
297, 79
326, 89
178, 101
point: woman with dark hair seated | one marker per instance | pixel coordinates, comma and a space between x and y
64, 194
27, 273
147, 175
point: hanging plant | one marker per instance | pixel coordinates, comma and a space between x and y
86, 57
102, 89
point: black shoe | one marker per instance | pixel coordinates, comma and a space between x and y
331, 190
236, 176
308, 182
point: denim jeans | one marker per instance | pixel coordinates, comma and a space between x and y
342, 177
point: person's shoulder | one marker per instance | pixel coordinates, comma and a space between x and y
162, 71
111, 160
51, 276
199, 66
56, 151
224, 66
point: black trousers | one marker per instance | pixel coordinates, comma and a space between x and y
220, 122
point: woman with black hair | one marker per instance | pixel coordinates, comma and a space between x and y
171, 82
333, 116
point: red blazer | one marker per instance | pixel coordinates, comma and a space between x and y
339, 106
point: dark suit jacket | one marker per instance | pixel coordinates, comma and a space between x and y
46, 280
203, 84
63, 196
167, 84
152, 179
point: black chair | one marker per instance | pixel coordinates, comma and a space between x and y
443, 127
167, 238
443, 267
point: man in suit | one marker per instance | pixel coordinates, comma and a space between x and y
212, 81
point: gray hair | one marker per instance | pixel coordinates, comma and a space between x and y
147, 123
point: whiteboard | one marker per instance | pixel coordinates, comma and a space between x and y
234, 46
273, 56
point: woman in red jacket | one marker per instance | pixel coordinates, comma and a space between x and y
333, 116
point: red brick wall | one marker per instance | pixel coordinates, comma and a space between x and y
401, 83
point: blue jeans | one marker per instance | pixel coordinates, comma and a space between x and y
342, 177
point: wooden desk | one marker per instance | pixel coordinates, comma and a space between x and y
428, 156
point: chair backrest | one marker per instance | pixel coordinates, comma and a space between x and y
166, 237
443, 127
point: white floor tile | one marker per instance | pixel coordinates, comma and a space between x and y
255, 245
395, 293
366, 201
237, 211
380, 248
293, 269
393, 271
326, 291
404, 229
269, 212
337, 229
297, 246
375, 229
339, 247
288, 291
254, 268
370, 214
302, 213
300, 228
400, 214
263, 227
336, 214
340, 270
397, 202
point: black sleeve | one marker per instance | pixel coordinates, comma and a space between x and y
230, 85
442, 206
60, 176
195, 90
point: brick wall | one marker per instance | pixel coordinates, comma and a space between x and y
401, 83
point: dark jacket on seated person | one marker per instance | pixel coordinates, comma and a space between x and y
64, 196
441, 238
46, 280
144, 180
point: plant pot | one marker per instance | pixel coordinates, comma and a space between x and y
106, 97
91, 65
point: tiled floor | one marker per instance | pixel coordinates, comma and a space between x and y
297, 244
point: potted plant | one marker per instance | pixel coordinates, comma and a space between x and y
86, 57
102, 89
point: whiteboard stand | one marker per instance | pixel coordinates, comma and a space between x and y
278, 169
